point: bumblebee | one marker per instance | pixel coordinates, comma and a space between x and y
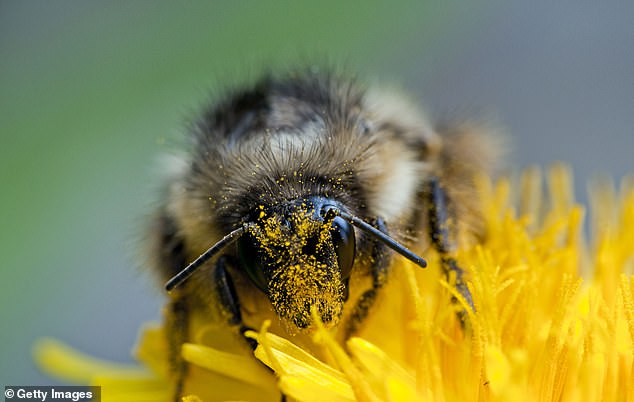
296, 194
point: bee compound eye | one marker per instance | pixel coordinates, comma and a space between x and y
343, 241
250, 260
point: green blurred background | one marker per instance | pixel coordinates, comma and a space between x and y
92, 93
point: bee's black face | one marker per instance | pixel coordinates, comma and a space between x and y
252, 260
300, 258
343, 240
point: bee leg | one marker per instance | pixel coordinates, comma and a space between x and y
442, 238
379, 278
177, 325
229, 298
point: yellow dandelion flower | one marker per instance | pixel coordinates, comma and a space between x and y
553, 321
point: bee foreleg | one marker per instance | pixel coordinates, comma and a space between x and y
379, 277
228, 297
177, 325
443, 238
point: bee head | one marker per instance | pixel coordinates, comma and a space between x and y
300, 253
301, 256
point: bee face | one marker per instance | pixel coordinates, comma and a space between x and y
300, 258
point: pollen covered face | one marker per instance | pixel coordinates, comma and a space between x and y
291, 255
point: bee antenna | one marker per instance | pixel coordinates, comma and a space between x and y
386, 239
182, 276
